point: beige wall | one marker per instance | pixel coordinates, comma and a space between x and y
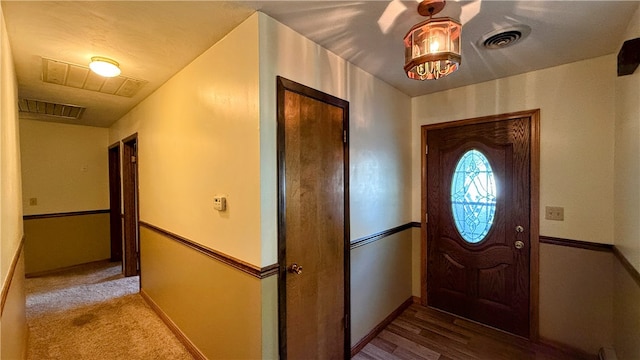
64, 166
380, 129
627, 165
627, 206
13, 327
379, 172
198, 136
576, 297
576, 105
58, 242
381, 281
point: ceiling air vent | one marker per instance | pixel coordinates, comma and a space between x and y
36, 109
80, 77
502, 38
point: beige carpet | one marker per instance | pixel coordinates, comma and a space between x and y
92, 312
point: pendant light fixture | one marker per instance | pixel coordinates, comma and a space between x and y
104, 66
432, 47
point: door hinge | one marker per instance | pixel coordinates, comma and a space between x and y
346, 321
426, 149
133, 159
344, 136
426, 217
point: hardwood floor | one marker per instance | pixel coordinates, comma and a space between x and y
423, 333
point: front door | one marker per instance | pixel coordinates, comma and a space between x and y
313, 232
478, 223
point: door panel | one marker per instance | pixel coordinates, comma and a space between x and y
486, 281
313, 225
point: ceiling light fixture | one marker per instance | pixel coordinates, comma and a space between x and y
104, 66
432, 47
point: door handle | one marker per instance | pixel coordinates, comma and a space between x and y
519, 244
295, 269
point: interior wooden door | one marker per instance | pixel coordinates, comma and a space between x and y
313, 223
478, 221
115, 203
130, 201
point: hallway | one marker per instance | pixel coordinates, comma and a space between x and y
92, 312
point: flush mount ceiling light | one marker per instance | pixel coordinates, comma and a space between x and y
432, 47
104, 66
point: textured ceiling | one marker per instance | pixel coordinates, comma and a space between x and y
153, 40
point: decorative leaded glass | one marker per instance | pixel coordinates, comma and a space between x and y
473, 196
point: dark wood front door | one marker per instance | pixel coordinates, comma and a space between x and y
312, 223
478, 221
130, 201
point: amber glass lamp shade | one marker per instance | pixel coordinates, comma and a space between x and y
432, 49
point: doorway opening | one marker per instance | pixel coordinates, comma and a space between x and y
115, 203
131, 208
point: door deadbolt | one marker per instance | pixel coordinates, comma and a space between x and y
519, 244
519, 229
295, 269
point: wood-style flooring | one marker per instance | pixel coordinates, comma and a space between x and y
423, 333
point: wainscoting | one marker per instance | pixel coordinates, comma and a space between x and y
54, 241
380, 279
576, 294
13, 327
216, 304
626, 309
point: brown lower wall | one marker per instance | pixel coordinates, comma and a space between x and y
13, 324
576, 297
380, 281
217, 307
626, 314
63, 241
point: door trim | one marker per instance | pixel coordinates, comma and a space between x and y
288, 85
534, 213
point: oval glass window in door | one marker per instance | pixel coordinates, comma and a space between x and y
473, 196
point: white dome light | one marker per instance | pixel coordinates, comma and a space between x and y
104, 66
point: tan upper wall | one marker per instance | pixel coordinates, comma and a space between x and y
380, 129
10, 182
627, 166
13, 329
65, 167
576, 103
198, 136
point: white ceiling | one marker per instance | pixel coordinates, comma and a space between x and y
152, 40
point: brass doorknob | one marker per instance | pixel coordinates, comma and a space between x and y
519, 244
295, 269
